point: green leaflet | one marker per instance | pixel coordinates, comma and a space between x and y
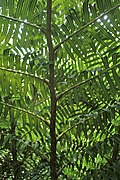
96, 36
104, 90
30, 122
24, 63
79, 43
65, 29
110, 29
31, 9
93, 10
112, 52
70, 23
69, 51
5, 58
88, 40
100, 5
7, 82
19, 8
115, 23
9, 33
25, 87
108, 4
19, 83
60, 53
4, 9
13, 85
17, 62
105, 32
25, 7
75, 49
24, 120
86, 15
4, 31
112, 86
11, 7
115, 75
117, 13
11, 61
75, 16
15, 36
24, 37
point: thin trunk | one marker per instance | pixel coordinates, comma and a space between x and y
52, 94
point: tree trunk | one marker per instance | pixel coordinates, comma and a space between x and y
53, 171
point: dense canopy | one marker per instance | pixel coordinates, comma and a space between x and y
60, 89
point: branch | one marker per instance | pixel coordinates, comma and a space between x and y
59, 96
22, 21
28, 112
60, 170
28, 132
92, 115
70, 128
25, 73
64, 132
85, 26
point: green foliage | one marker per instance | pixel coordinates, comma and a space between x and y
86, 43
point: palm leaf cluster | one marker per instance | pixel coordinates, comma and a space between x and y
86, 43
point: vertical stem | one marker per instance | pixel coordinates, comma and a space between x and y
52, 94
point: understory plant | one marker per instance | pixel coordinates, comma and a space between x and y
59, 89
